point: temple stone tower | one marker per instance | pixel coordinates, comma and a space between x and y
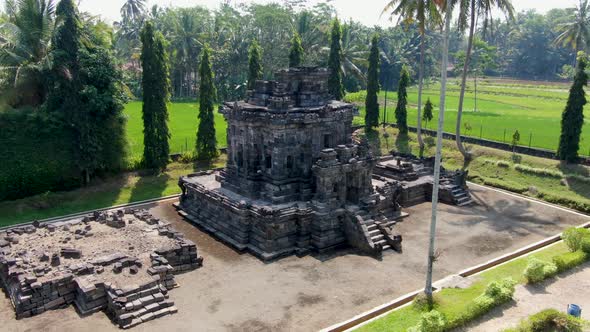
276, 135
294, 180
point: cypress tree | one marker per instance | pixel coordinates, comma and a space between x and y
335, 62
572, 118
156, 93
206, 142
427, 115
296, 51
65, 85
254, 64
371, 102
401, 112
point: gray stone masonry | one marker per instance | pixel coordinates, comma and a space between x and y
295, 181
131, 289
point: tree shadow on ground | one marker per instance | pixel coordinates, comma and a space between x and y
200, 165
580, 184
402, 144
150, 184
514, 216
102, 192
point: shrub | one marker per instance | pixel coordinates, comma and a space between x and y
569, 260
503, 164
573, 237
538, 171
510, 186
567, 202
549, 320
539, 270
500, 291
432, 321
586, 245
420, 302
496, 293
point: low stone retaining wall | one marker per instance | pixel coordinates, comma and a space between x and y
120, 261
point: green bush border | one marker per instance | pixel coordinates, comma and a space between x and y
459, 305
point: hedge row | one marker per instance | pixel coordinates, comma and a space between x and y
35, 157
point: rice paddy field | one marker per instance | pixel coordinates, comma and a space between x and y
502, 106
183, 123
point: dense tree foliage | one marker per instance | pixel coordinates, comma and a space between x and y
156, 91
206, 142
401, 111
296, 51
25, 36
335, 62
371, 102
572, 118
254, 64
84, 94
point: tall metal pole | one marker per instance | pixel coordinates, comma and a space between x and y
385, 108
437, 158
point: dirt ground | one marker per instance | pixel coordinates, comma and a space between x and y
557, 293
237, 292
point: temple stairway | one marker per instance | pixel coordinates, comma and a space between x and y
461, 197
375, 229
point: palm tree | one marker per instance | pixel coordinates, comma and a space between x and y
446, 9
133, 10
474, 8
575, 33
24, 43
354, 52
423, 12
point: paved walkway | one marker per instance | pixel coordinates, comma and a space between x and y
557, 293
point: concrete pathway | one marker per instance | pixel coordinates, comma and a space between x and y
557, 293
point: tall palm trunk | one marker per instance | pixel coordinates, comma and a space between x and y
460, 146
437, 158
420, 86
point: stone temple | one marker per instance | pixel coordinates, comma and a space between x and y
295, 181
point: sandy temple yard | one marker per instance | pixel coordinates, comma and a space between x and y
238, 292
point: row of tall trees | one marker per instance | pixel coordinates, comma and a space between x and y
53, 60
230, 30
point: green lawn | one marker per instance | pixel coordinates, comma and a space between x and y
570, 186
183, 125
502, 107
114, 190
454, 301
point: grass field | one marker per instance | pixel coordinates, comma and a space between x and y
453, 302
503, 106
183, 125
545, 179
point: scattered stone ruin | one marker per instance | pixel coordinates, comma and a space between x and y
295, 181
122, 262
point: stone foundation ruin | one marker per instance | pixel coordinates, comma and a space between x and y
295, 181
122, 262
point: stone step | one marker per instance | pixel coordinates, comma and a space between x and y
460, 195
386, 247
377, 238
465, 203
374, 231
